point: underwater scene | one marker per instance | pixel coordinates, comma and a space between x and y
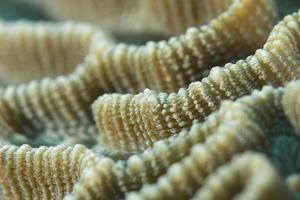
150, 99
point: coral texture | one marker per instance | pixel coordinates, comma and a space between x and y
41, 173
62, 105
133, 122
241, 174
184, 162
32, 51
290, 103
196, 132
162, 17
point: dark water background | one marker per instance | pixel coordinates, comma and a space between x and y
286, 7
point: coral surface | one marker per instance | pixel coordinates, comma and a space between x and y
210, 111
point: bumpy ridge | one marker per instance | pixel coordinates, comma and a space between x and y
63, 104
155, 116
41, 173
182, 163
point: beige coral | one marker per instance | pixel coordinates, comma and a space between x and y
37, 50
41, 173
32, 51
240, 179
252, 122
161, 17
183, 162
168, 65
204, 142
132, 123
245, 125
290, 102
63, 104
293, 182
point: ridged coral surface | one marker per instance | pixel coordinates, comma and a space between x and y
211, 112
60, 107
134, 122
41, 173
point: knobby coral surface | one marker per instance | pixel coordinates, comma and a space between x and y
60, 108
190, 162
133, 122
206, 141
41, 173
32, 51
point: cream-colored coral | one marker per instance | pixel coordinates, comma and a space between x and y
41, 173
132, 123
204, 141
183, 162
253, 122
247, 176
168, 65
32, 51
244, 126
99, 183
63, 104
291, 103
293, 182
161, 17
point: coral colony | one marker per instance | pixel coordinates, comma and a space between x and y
211, 111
